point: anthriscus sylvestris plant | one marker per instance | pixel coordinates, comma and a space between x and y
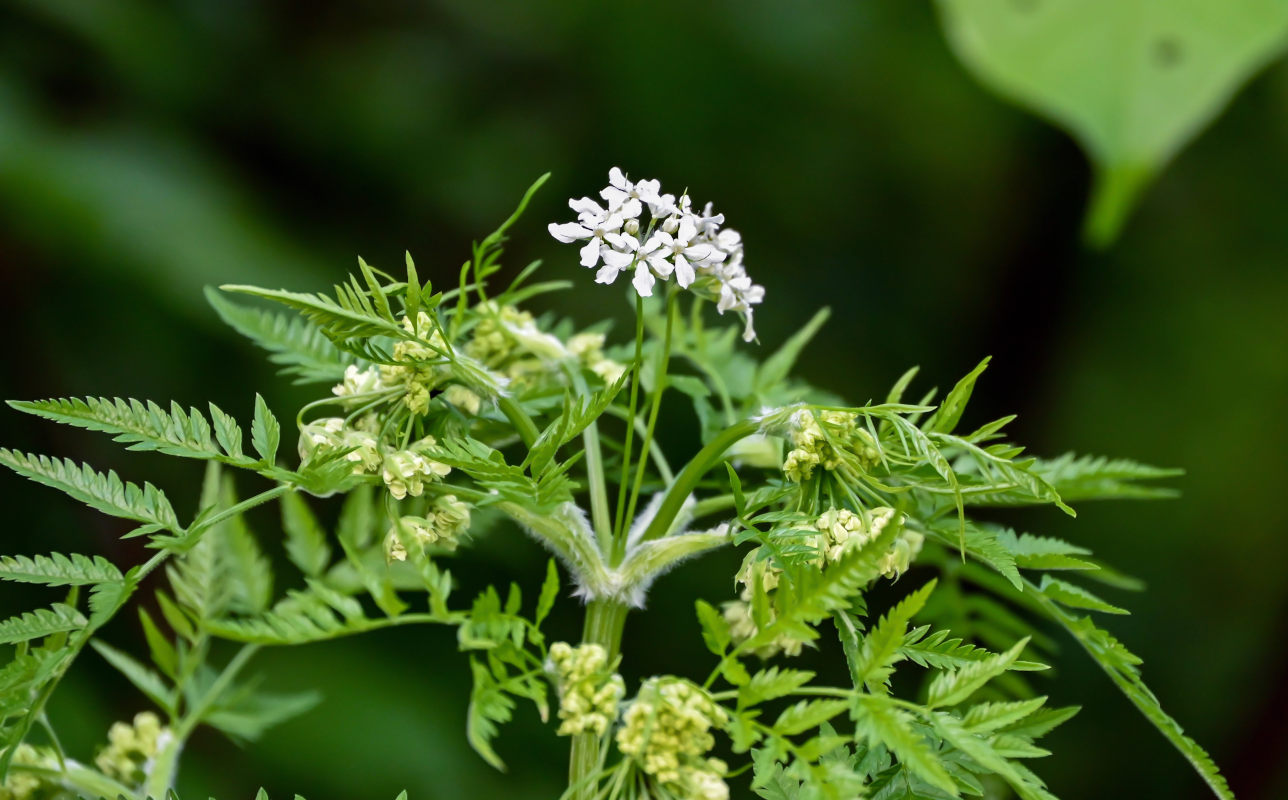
440, 408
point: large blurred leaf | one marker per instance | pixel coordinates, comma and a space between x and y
1132, 80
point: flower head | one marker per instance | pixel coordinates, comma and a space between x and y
675, 241
588, 689
667, 730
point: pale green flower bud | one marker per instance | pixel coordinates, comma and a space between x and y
451, 518
365, 456
131, 746
463, 398
588, 692
608, 370
359, 383
901, 554
586, 346
757, 450
666, 729
322, 434
406, 471
20, 785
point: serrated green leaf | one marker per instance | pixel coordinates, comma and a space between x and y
265, 432
57, 569
880, 648
985, 717
949, 413
299, 346
489, 708
104, 492
40, 623
951, 688
163, 653
549, 593
880, 723
772, 683
808, 714
306, 542
1041, 552
715, 630
1074, 596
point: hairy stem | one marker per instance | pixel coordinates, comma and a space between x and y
604, 622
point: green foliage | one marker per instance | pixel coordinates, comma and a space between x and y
455, 410
300, 347
1172, 71
104, 492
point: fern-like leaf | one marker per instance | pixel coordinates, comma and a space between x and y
298, 345
40, 623
104, 492
143, 426
880, 722
1123, 668
57, 569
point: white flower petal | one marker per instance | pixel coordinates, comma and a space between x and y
660, 265
586, 207
616, 259
568, 231
607, 273
590, 253
617, 179
614, 197
643, 280
684, 274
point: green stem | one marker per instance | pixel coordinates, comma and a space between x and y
659, 387
692, 473
519, 418
630, 428
604, 622
161, 778
599, 512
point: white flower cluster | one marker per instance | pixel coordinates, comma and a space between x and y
676, 240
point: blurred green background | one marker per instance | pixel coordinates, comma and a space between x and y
150, 149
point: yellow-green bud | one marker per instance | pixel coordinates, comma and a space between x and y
667, 730
131, 746
322, 434
463, 398
20, 785
358, 383
588, 691
406, 471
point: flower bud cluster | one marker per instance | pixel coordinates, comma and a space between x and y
588, 348
742, 626
418, 367
588, 691
508, 339
842, 530
667, 730
130, 747
405, 472
332, 433
825, 439
444, 525
21, 785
